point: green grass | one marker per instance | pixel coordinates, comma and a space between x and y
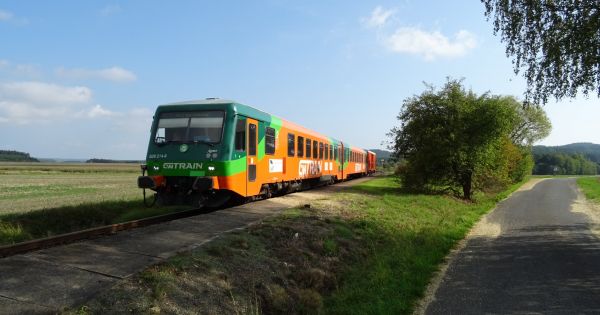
371, 249
39, 200
407, 236
590, 187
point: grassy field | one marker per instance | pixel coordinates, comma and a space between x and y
590, 187
39, 200
32, 186
369, 250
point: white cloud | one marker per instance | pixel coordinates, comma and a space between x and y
5, 15
40, 92
32, 101
429, 45
378, 17
27, 70
115, 74
99, 111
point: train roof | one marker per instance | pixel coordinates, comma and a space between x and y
252, 112
206, 101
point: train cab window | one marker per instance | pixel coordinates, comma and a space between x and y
300, 146
291, 144
196, 127
270, 141
308, 151
252, 139
240, 135
315, 149
335, 153
331, 152
326, 152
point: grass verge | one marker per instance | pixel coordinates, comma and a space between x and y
590, 187
370, 250
20, 227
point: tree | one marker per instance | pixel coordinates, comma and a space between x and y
530, 123
448, 137
454, 139
556, 42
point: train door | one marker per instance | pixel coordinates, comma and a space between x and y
252, 182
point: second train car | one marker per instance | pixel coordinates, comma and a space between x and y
212, 151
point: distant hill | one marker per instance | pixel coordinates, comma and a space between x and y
16, 156
570, 159
382, 154
587, 149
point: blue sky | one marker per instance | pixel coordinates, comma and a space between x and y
81, 79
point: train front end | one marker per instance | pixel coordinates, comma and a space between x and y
190, 145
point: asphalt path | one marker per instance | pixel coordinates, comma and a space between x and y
536, 253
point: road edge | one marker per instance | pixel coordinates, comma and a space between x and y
437, 278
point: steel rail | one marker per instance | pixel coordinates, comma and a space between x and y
37, 244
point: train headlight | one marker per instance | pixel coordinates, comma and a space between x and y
211, 168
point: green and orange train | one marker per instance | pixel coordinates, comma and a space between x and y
212, 151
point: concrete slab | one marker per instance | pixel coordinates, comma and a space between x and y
46, 284
159, 243
13, 307
106, 260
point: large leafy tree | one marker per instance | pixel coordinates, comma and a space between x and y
454, 139
555, 42
529, 123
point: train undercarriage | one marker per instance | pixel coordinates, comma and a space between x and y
198, 191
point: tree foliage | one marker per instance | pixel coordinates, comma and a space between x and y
564, 164
457, 140
16, 156
555, 42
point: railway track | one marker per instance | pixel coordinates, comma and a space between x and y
19, 248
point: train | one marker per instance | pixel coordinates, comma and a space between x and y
211, 152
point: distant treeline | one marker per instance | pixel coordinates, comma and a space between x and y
564, 164
382, 154
112, 161
16, 156
570, 159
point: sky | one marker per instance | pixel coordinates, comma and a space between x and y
81, 79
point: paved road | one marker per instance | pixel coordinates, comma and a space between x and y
535, 254
46, 281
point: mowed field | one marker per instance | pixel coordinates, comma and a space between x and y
33, 186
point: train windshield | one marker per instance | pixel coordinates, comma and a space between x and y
198, 126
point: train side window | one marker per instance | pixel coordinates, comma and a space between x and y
326, 152
335, 152
270, 141
291, 144
308, 151
240, 135
330, 152
320, 150
252, 139
300, 146
315, 149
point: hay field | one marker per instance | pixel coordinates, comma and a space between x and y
33, 186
